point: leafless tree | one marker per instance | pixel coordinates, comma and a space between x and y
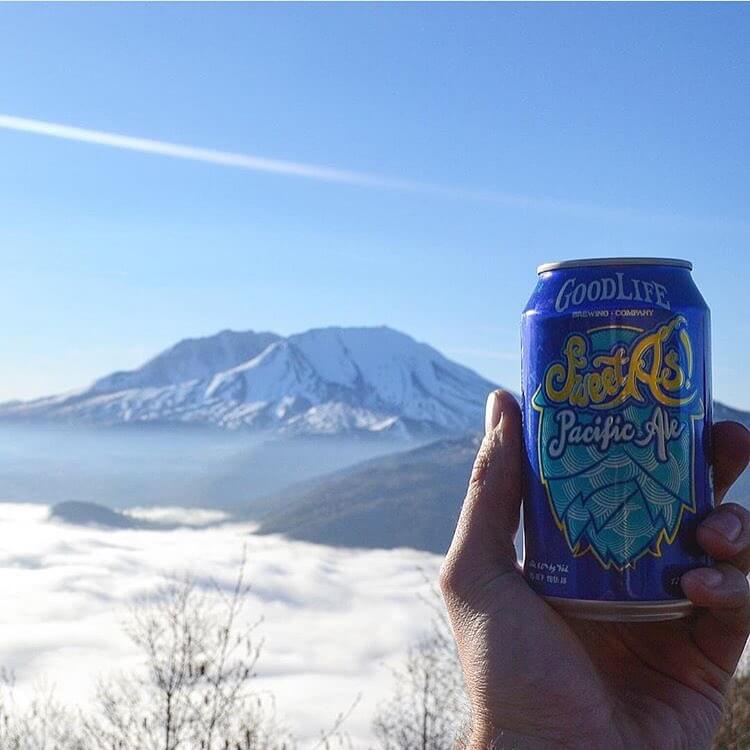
427, 709
41, 724
734, 732
196, 691
336, 737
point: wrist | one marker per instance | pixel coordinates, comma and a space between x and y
501, 739
492, 738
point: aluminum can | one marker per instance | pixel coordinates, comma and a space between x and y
616, 400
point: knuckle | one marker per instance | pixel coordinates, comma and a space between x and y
483, 460
739, 615
447, 576
450, 577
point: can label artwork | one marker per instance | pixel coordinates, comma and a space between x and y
616, 391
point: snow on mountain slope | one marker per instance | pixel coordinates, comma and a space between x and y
327, 380
384, 366
190, 359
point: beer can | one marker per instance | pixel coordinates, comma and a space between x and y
616, 401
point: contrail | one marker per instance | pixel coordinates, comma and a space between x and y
178, 151
252, 162
344, 176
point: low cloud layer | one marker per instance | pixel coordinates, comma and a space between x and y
334, 621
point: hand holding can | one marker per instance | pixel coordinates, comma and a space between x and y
616, 391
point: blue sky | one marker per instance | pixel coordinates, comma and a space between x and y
595, 130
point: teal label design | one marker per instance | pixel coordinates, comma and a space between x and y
617, 440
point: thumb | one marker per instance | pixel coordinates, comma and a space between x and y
483, 541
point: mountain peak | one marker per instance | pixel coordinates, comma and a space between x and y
190, 359
325, 380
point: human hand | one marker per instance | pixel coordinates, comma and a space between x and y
536, 679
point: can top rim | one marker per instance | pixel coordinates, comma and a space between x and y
628, 261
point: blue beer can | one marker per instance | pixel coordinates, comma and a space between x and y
616, 399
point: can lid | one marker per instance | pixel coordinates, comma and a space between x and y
629, 261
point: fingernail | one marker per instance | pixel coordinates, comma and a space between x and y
491, 413
711, 577
726, 524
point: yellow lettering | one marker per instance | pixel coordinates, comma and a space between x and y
616, 378
565, 376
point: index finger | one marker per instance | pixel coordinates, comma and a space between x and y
731, 453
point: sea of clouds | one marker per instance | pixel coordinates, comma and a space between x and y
335, 621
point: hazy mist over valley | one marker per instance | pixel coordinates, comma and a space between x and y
140, 465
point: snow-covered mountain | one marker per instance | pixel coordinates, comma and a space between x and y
190, 359
323, 381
